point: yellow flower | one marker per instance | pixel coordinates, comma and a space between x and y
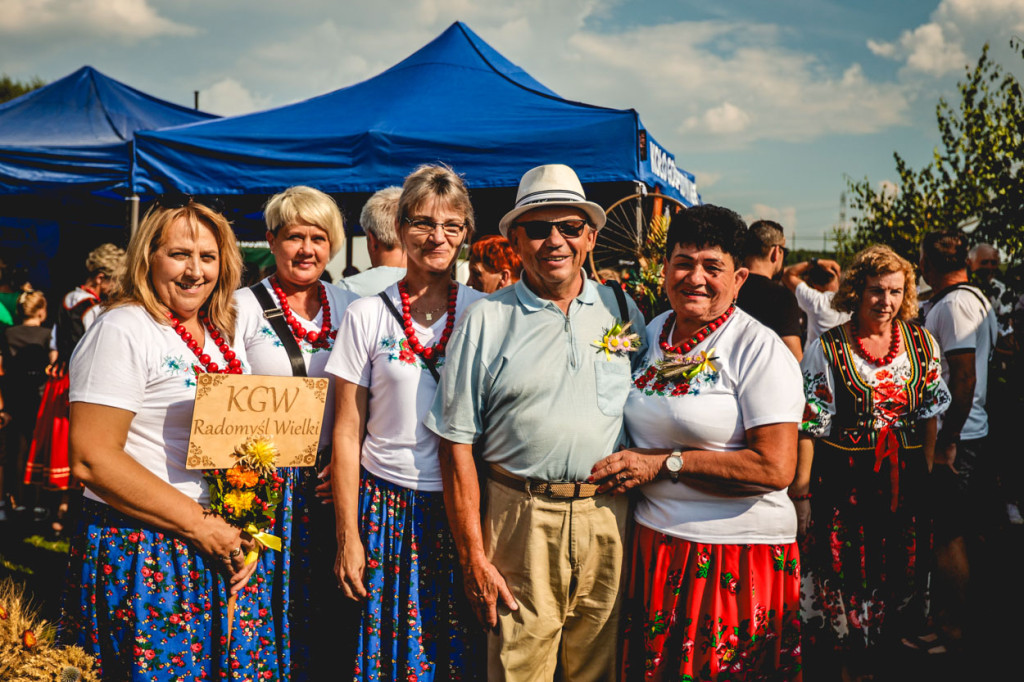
258, 453
239, 500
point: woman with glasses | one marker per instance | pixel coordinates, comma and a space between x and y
151, 568
304, 230
395, 551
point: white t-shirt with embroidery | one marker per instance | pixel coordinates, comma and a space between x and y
821, 316
963, 320
130, 361
372, 351
887, 384
266, 352
750, 379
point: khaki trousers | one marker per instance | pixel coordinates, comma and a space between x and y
562, 560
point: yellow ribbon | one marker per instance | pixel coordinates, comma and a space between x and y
266, 539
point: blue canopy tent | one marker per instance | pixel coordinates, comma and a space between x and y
65, 164
77, 132
456, 101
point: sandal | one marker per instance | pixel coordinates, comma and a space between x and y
931, 643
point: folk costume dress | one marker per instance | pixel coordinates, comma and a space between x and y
415, 624
47, 463
866, 556
144, 602
714, 587
306, 577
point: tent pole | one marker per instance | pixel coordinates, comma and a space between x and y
133, 213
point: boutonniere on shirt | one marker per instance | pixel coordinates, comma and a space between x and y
678, 368
618, 341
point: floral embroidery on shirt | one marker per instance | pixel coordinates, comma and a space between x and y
304, 346
176, 364
889, 393
398, 351
817, 417
652, 381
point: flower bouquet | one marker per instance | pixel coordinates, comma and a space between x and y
247, 496
618, 340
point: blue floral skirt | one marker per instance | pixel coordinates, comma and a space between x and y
416, 623
321, 621
147, 606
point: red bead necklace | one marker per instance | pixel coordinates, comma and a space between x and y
437, 350
894, 346
234, 364
320, 339
701, 334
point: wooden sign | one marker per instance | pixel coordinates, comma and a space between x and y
230, 408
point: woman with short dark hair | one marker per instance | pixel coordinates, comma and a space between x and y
713, 411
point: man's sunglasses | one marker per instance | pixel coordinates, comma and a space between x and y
541, 229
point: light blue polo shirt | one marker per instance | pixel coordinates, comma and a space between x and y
524, 381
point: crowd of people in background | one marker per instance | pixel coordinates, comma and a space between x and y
519, 478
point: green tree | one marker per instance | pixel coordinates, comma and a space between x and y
10, 88
975, 176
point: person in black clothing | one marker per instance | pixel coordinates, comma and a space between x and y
24, 355
770, 303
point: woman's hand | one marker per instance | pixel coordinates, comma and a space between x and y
226, 548
324, 491
350, 566
626, 469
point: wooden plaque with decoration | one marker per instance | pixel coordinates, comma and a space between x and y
230, 408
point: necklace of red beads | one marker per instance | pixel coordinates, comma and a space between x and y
894, 346
320, 339
234, 364
701, 334
437, 350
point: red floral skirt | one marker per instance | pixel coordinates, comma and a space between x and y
698, 611
48, 464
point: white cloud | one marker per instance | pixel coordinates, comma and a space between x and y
723, 85
127, 20
785, 216
707, 179
956, 27
228, 97
721, 120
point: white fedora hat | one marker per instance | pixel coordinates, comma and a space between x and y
552, 185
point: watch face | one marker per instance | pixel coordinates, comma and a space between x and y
674, 463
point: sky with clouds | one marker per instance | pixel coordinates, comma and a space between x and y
770, 104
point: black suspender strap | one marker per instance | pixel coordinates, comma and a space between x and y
621, 298
275, 316
401, 323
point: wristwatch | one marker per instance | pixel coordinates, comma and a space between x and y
674, 464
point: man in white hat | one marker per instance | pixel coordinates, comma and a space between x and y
529, 389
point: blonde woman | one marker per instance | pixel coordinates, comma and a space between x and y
151, 567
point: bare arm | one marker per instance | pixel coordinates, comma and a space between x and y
350, 405
793, 344
801, 485
98, 434
931, 427
768, 463
484, 584
961, 386
794, 274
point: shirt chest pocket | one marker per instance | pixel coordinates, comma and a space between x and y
613, 380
